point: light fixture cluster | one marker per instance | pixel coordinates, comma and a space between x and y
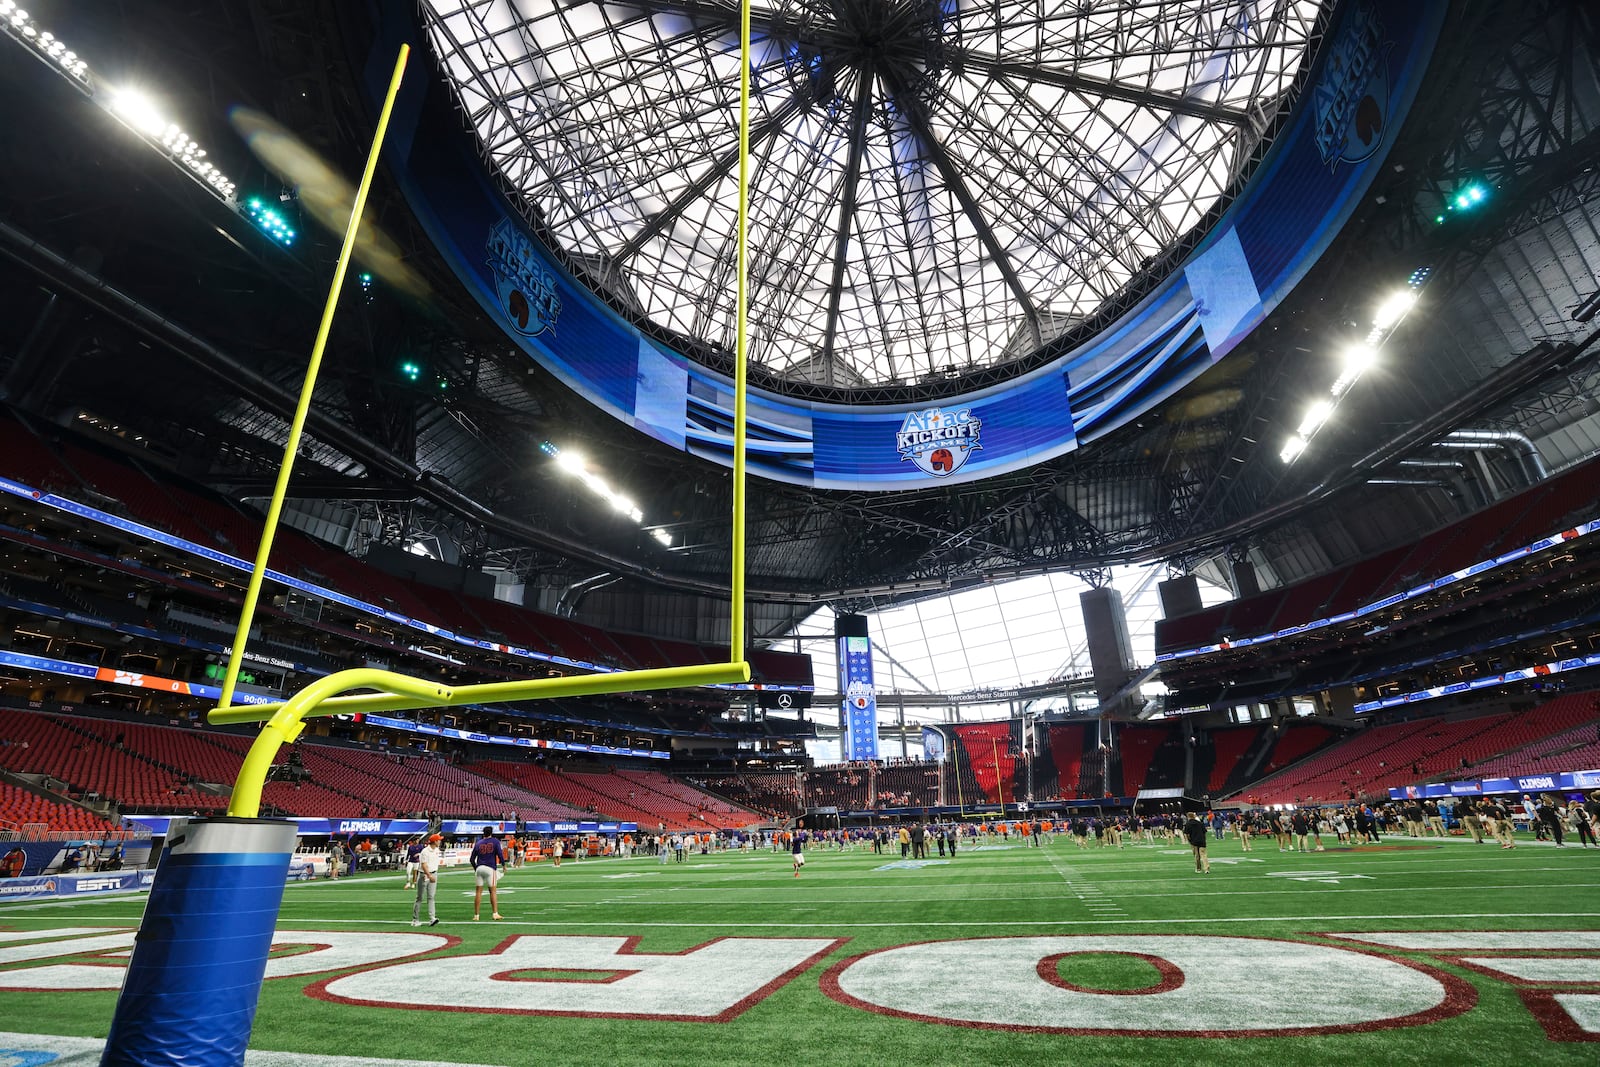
1355, 360
271, 221
182, 147
18, 24
573, 464
1466, 198
131, 106
140, 112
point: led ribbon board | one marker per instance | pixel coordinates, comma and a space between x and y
161, 537
1528, 783
1297, 201
1481, 567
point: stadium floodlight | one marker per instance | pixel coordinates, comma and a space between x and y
139, 111
130, 105
1315, 416
1292, 448
572, 463
1393, 308
1357, 359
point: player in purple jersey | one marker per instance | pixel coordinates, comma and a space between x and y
487, 857
413, 863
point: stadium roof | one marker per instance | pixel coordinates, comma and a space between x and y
936, 187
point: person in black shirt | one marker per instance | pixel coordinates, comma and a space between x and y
1300, 825
1195, 831
1551, 818
1581, 823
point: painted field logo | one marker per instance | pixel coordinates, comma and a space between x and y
1204, 987
527, 291
938, 440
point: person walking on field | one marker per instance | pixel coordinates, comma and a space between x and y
488, 856
1195, 832
428, 858
413, 850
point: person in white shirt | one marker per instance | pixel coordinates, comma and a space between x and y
427, 881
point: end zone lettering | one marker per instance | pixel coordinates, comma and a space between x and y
1201, 986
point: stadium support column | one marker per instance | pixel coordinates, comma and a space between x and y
1110, 650
905, 748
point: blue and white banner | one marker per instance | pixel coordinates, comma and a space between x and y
308, 826
1532, 783
858, 712
53, 886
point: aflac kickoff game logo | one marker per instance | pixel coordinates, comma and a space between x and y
1352, 99
939, 441
527, 291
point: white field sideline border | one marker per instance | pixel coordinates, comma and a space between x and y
812, 901
635, 893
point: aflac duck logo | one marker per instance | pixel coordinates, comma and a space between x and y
527, 291
938, 440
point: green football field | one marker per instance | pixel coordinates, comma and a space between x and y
1006, 954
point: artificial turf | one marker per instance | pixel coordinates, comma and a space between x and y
871, 903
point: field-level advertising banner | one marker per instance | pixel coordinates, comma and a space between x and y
45, 887
1321, 164
858, 710
1530, 783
